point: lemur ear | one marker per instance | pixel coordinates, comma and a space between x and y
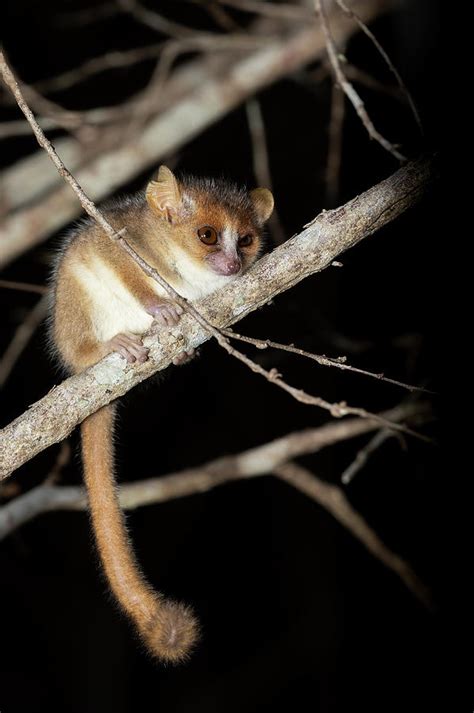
263, 203
164, 195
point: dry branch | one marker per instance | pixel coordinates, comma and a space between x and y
21, 338
348, 88
401, 84
258, 461
364, 454
335, 501
261, 162
254, 462
335, 136
338, 363
52, 418
199, 107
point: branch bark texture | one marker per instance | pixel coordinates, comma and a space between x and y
52, 418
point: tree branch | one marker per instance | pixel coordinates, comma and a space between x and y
52, 418
348, 89
364, 454
333, 499
21, 338
338, 362
254, 462
205, 101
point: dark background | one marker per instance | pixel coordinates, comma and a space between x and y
294, 611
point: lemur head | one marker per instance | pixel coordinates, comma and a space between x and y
218, 224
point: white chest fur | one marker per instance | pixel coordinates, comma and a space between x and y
114, 307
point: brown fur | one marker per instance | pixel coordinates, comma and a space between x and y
97, 285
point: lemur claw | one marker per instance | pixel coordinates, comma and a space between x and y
129, 346
166, 314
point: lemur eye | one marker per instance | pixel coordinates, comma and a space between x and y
245, 241
208, 235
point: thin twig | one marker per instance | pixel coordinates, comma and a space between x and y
140, 106
22, 336
261, 162
10, 129
24, 287
63, 458
339, 362
337, 410
156, 22
334, 500
257, 461
220, 16
95, 65
96, 13
271, 458
364, 454
62, 118
147, 103
367, 80
284, 11
334, 154
404, 89
348, 88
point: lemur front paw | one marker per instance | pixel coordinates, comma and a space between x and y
166, 314
130, 346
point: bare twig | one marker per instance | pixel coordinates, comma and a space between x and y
254, 462
53, 417
404, 89
339, 362
262, 460
146, 105
95, 65
220, 16
367, 80
364, 454
96, 13
63, 118
284, 11
22, 336
9, 129
348, 88
261, 163
141, 106
335, 135
23, 287
63, 458
156, 22
334, 500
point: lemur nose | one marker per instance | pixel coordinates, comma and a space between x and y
231, 266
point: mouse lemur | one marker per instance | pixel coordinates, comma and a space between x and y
199, 234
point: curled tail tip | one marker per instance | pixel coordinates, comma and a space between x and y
172, 633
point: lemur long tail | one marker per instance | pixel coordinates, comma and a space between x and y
168, 628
